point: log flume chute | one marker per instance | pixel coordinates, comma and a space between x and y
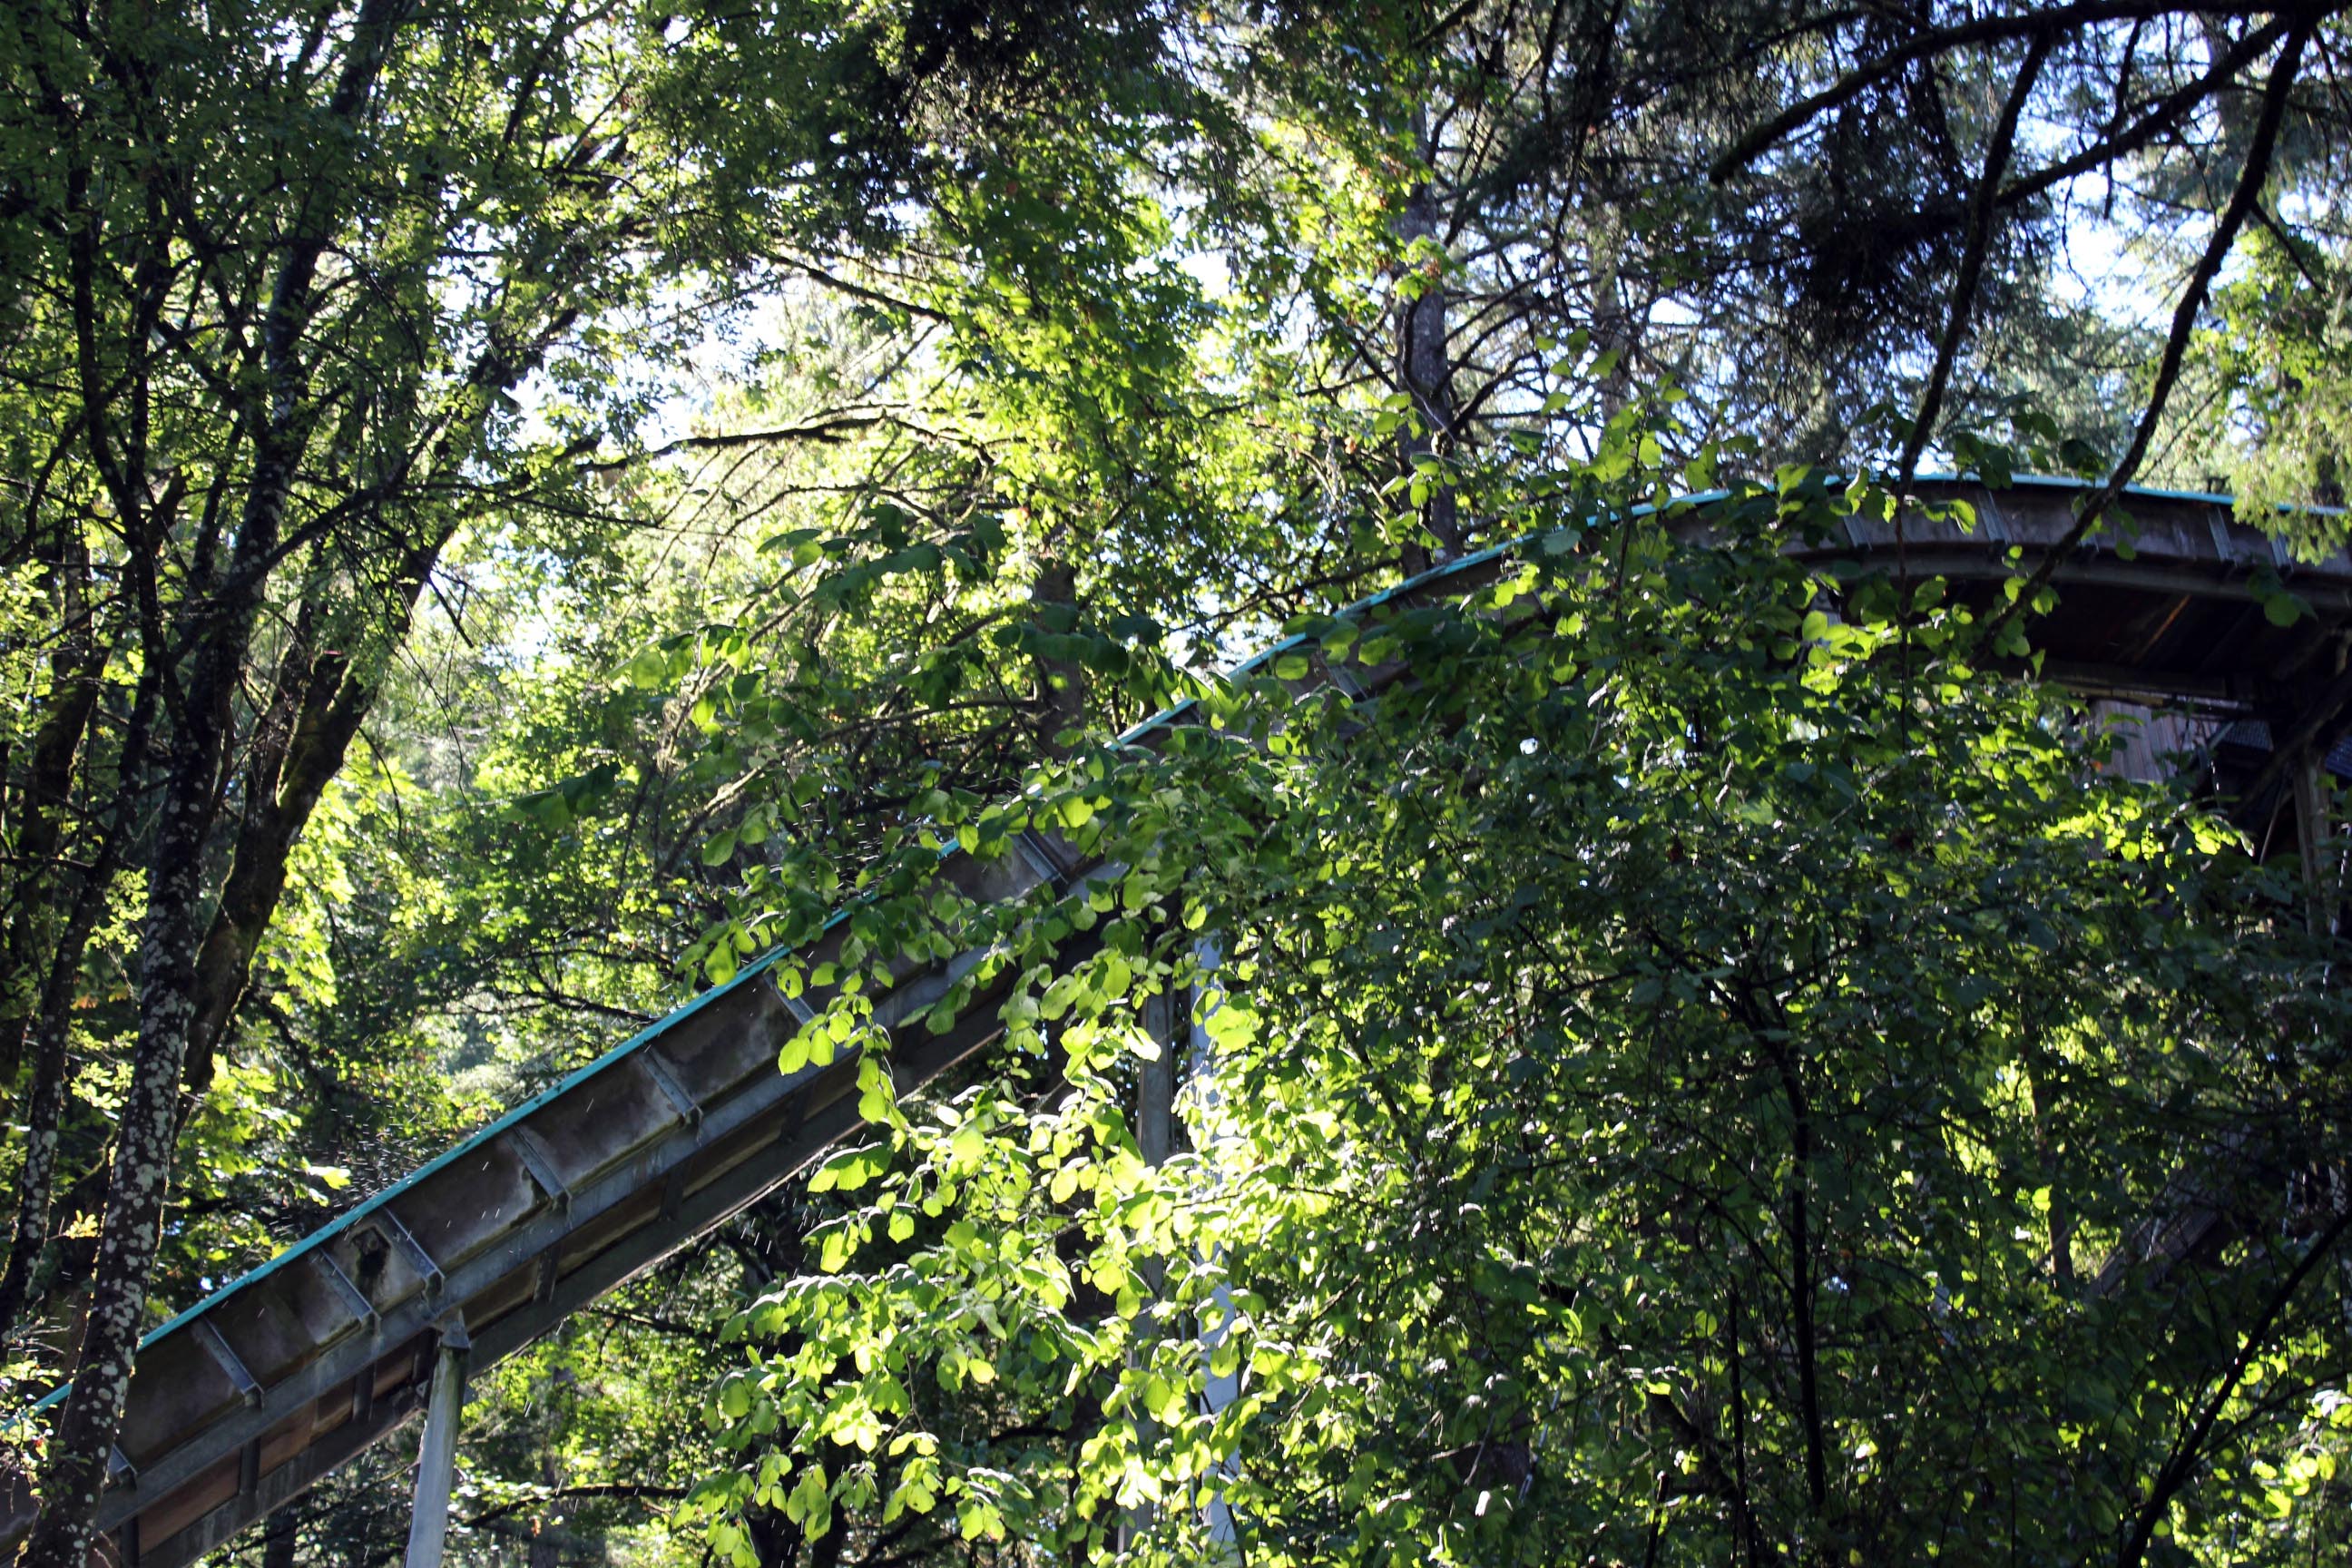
273, 1382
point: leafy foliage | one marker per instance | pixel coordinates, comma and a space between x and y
1673, 1076
1696, 1056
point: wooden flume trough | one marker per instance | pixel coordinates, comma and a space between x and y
254, 1393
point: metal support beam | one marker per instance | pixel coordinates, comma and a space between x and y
1155, 1087
392, 1231
688, 1109
348, 1288
1041, 859
540, 1164
1155, 1125
228, 1362
437, 1457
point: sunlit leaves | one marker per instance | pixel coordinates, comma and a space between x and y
1560, 993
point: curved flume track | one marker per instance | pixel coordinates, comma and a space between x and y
254, 1393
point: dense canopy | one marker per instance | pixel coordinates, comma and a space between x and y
1683, 1048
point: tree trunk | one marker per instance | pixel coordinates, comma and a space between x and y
1614, 327
222, 620
44, 1107
45, 1101
31, 915
280, 1537
142, 1153
1061, 682
1425, 370
321, 698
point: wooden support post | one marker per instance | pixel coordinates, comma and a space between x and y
436, 1457
1222, 1390
1155, 1118
2309, 778
1155, 1139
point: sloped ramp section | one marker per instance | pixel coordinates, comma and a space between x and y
253, 1395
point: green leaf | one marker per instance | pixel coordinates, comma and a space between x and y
2283, 608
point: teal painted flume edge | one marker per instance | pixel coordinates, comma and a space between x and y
760, 966
2059, 481
352, 1215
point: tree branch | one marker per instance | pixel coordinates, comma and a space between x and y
1940, 40
1964, 289
2165, 113
640, 1492
2190, 1452
2242, 200
832, 429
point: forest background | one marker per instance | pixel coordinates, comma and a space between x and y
511, 509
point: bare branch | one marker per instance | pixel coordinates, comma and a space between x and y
832, 429
2242, 200
636, 1491
1927, 45
2160, 117
1964, 289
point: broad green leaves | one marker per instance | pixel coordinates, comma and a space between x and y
1691, 1024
